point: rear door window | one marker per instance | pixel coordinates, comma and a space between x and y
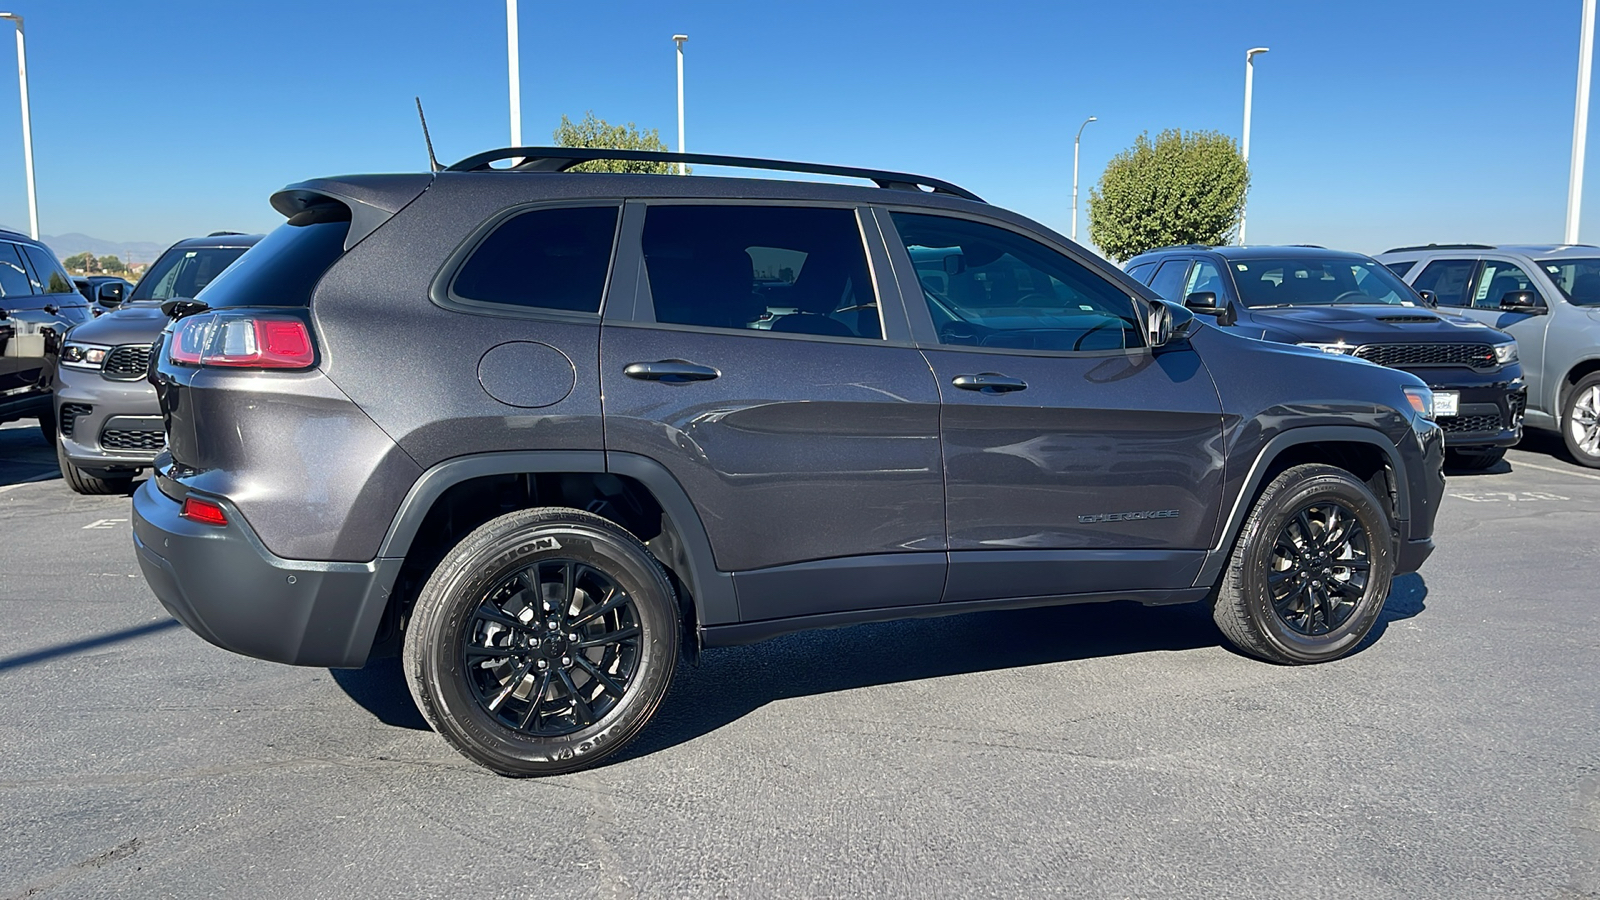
544, 259
1448, 279
51, 278
1168, 283
783, 269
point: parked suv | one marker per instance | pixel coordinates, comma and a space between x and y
38, 304
536, 429
106, 409
1346, 303
1547, 297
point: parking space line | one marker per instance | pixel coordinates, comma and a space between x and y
1557, 471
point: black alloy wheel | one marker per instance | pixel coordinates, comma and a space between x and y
553, 648
1310, 570
1319, 568
543, 643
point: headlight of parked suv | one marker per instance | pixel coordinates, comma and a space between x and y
83, 356
1421, 400
1339, 348
1505, 353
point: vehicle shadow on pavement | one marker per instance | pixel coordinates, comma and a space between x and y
24, 455
100, 640
380, 689
732, 682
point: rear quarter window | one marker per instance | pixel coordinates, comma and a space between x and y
284, 268
544, 259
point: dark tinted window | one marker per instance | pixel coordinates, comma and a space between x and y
184, 272
544, 259
54, 278
1448, 279
283, 268
788, 269
1141, 272
1318, 281
13, 273
1003, 290
1402, 267
1168, 283
1578, 279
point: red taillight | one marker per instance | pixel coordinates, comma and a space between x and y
203, 511
242, 341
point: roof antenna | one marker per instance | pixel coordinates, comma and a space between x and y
433, 161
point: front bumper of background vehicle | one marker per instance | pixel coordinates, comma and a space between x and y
133, 402
1492, 405
224, 584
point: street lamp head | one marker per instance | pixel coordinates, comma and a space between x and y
679, 38
1251, 53
1093, 119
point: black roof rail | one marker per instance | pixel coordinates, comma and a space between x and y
224, 233
1441, 247
560, 159
1311, 246
1181, 247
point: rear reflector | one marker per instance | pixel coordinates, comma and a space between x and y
203, 511
242, 341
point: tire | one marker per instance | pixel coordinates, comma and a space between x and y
90, 481
47, 423
1314, 582
478, 601
1580, 421
1475, 460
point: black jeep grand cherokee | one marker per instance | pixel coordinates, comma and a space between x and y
536, 429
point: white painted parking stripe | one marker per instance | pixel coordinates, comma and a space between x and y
1530, 465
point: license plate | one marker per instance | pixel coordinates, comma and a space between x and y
1446, 403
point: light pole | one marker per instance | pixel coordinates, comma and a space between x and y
1075, 174
514, 65
1249, 81
1580, 123
679, 39
27, 124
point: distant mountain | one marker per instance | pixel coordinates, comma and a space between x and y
66, 245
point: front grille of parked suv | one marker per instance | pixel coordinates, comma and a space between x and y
70, 413
1474, 356
132, 439
128, 362
1488, 423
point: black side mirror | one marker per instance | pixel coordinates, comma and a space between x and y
1527, 302
110, 294
1429, 298
1205, 304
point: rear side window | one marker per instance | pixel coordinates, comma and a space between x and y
1168, 283
13, 273
1448, 279
52, 278
544, 259
785, 269
285, 266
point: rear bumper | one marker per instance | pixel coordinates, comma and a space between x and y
224, 584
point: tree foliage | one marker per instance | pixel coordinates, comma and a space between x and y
112, 265
1185, 188
80, 262
596, 132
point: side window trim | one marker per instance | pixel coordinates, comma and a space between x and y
442, 292
630, 302
925, 335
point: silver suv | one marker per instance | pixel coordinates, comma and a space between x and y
1548, 298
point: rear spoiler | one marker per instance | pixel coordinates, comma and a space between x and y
371, 200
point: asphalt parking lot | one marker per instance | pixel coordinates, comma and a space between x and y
1082, 751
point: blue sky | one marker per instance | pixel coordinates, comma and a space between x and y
1375, 124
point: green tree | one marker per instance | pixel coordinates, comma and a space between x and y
112, 265
78, 262
1185, 188
596, 132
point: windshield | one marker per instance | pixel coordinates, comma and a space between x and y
1318, 282
1578, 279
182, 273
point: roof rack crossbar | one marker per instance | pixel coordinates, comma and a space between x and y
560, 159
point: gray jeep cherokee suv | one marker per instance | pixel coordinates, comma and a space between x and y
1548, 298
537, 429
